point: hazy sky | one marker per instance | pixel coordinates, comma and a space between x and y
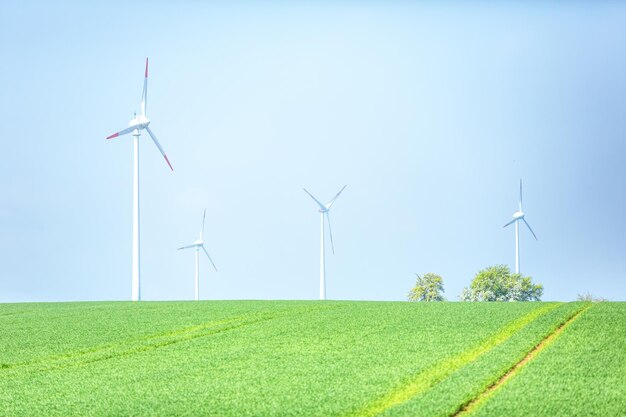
430, 112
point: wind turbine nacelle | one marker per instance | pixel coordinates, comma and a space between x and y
139, 122
518, 215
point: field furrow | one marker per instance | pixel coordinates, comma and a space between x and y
442, 390
66, 329
475, 403
582, 371
154, 341
423, 381
461, 386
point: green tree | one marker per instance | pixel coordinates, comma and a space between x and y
497, 283
428, 287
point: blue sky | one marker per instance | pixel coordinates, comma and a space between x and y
430, 112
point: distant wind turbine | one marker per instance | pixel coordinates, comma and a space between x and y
517, 216
136, 125
197, 245
324, 208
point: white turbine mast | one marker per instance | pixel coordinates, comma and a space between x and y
324, 209
197, 245
135, 126
517, 216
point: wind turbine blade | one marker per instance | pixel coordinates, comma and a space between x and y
209, 256
323, 207
531, 230
158, 145
144, 95
188, 246
122, 132
330, 232
202, 230
511, 222
520, 194
331, 202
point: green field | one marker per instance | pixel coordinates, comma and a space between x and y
307, 358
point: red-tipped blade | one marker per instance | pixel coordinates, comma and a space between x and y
158, 145
168, 162
122, 132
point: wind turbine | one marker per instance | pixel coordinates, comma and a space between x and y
135, 126
324, 208
517, 216
197, 245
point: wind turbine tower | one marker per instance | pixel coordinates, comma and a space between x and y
136, 125
324, 209
199, 244
517, 216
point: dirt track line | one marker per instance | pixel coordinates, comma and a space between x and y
477, 401
146, 343
420, 383
116, 350
15, 313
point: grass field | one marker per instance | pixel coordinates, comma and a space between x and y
306, 358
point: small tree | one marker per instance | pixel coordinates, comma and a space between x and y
497, 283
428, 287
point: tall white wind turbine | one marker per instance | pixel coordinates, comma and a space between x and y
135, 126
324, 208
517, 216
199, 244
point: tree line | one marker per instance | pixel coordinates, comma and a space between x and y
495, 283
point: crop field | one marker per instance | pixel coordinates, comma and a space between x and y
310, 358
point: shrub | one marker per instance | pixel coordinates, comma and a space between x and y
428, 287
497, 283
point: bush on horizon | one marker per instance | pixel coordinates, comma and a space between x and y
428, 287
497, 283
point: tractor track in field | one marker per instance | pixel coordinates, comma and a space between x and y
473, 404
147, 343
435, 374
15, 313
